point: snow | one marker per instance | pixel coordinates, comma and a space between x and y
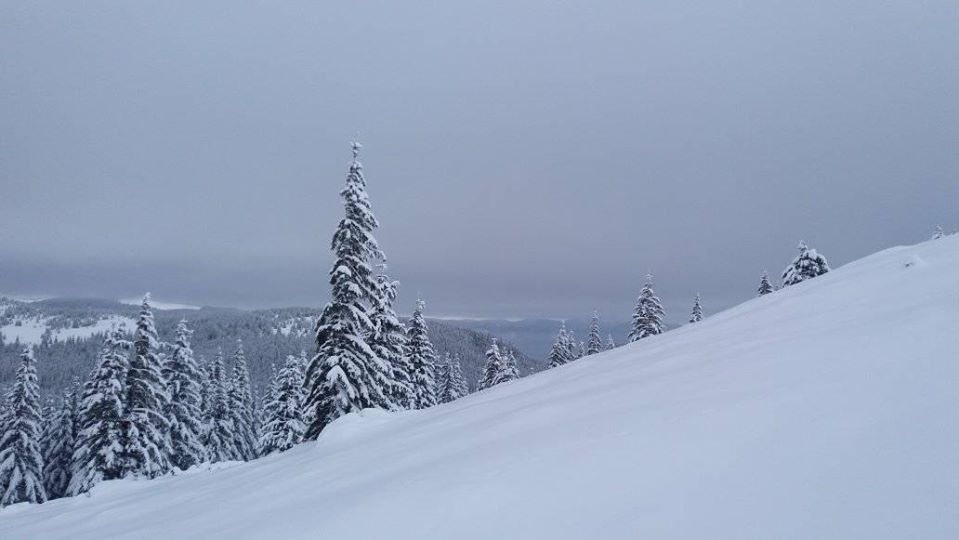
828, 409
31, 329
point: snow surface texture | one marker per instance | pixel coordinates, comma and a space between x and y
828, 409
31, 330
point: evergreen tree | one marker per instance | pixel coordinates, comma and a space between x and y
594, 343
459, 385
146, 442
574, 350
443, 381
183, 380
648, 314
494, 365
938, 233
451, 385
610, 342
240, 403
807, 265
422, 360
204, 368
559, 353
283, 426
99, 443
389, 341
346, 375
21, 464
697, 314
59, 443
218, 423
764, 286
508, 371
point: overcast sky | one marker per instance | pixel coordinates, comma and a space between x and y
524, 158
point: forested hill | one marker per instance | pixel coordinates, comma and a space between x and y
69, 334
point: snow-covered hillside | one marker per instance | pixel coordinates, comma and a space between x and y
826, 410
30, 330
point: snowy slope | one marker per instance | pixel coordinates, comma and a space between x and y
827, 410
30, 330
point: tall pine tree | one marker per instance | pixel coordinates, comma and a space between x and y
559, 352
610, 342
594, 342
508, 371
459, 385
60, 439
98, 453
21, 463
697, 314
648, 314
807, 265
347, 375
183, 380
240, 403
389, 342
218, 423
283, 416
422, 360
146, 442
443, 381
494, 365
574, 349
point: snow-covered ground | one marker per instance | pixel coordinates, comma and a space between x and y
31, 329
826, 410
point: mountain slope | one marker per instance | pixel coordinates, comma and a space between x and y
826, 410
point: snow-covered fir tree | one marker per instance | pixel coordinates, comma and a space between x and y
697, 314
346, 375
59, 443
422, 359
459, 384
610, 342
240, 403
574, 349
765, 287
283, 416
648, 314
218, 423
451, 384
559, 352
508, 371
266, 398
389, 341
442, 376
594, 343
807, 265
494, 365
98, 456
183, 381
21, 463
146, 440
204, 368
938, 233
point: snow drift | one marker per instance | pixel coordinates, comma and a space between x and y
829, 409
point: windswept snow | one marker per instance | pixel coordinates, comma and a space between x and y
828, 409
